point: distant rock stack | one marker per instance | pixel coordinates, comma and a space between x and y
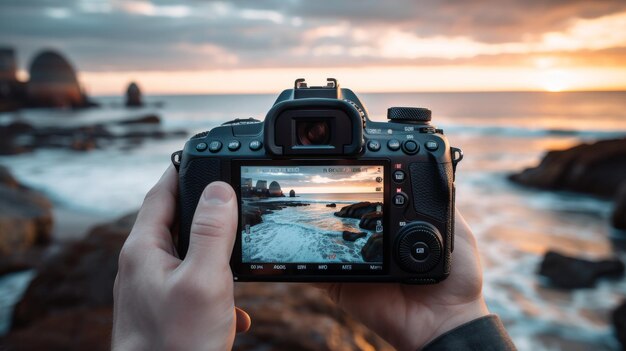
133, 95
53, 82
275, 189
292, 193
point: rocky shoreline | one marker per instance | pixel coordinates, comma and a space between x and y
597, 169
19, 136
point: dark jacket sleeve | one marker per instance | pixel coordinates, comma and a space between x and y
485, 333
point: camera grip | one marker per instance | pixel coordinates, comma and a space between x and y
433, 196
194, 176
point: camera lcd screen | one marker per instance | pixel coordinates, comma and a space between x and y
312, 217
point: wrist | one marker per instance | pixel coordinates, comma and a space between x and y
455, 316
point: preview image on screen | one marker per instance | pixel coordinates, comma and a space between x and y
312, 214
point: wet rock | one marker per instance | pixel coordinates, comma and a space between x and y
571, 272
619, 323
80, 275
298, 317
597, 169
252, 216
133, 95
352, 236
148, 119
292, 193
74, 329
333, 205
21, 260
368, 221
7, 179
618, 218
25, 219
372, 251
357, 210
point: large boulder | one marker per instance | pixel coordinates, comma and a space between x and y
352, 236
369, 220
68, 330
25, 216
597, 169
570, 272
133, 95
358, 209
372, 251
81, 275
298, 317
618, 218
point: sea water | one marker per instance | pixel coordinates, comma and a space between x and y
500, 133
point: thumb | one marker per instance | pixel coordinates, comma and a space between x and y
213, 228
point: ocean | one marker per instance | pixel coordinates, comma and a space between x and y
500, 133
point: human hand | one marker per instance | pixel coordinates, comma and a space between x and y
162, 302
409, 316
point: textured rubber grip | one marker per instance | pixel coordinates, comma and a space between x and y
416, 114
433, 196
194, 176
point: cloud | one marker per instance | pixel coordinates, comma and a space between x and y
122, 35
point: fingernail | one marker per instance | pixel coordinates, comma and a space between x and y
217, 193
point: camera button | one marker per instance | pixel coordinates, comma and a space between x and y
255, 145
201, 146
410, 147
393, 144
400, 200
373, 145
432, 145
215, 146
234, 145
420, 251
398, 176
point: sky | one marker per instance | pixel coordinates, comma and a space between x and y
313, 179
248, 46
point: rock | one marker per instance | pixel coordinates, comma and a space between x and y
147, 119
368, 220
333, 205
25, 219
252, 216
597, 169
74, 329
352, 236
292, 193
571, 273
298, 317
618, 218
80, 275
372, 251
7, 179
133, 95
21, 260
357, 210
53, 82
619, 323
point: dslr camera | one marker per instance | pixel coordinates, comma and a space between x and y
327, 195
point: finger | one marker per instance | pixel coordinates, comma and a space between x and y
159, 205
243, 320
213, 230
157, 212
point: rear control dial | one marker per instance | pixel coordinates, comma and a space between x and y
418, 247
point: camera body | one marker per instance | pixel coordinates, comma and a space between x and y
327, 195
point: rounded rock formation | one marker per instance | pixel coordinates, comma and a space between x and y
275, 189
53, 82
133, 95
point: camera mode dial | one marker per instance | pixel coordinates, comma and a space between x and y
418, 247
409, 114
